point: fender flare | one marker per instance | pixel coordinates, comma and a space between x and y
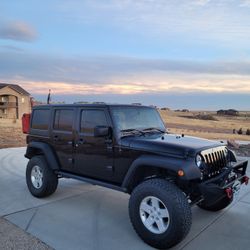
47, 152
167, 163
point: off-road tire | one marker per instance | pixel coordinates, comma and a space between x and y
221, 204
177, 205
50, 180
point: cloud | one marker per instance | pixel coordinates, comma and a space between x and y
245, 3
11, 48
180, 85
122, 75
201, 2
107, 68
18, 31
201, 21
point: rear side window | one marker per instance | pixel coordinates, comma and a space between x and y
92, 118
40, 119
63, 119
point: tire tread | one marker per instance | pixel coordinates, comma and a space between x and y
182, 208
51, 180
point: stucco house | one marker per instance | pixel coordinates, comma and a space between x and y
14, 101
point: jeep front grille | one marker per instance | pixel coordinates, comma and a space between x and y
215, 159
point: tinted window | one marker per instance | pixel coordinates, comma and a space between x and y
40, 119
136, 118
91, 119
63, 119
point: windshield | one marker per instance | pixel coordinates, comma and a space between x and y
136, 118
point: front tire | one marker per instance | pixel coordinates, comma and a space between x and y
40, 178
160, 213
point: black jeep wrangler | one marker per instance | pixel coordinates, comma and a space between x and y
127, 148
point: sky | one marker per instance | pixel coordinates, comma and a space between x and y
171, 53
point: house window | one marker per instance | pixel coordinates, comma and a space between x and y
5, 98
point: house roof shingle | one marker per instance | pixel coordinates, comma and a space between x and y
15, 87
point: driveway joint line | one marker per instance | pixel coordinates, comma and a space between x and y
244, 195
31, 219
206, 227
42, 205
245, 202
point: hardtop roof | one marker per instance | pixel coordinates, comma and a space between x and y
103, 105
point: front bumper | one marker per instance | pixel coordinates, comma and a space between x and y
225, 184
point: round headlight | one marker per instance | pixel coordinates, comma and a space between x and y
198, 160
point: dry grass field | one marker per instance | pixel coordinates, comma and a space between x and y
219, 128
177, 122
11, 134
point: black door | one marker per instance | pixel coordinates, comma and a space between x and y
63, 136
93, 155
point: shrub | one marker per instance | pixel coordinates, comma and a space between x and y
167, 109
240, 131
205, 117
248, 132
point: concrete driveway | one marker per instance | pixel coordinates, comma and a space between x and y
83, 216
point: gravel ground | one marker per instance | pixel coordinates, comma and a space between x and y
12, 237
243, 150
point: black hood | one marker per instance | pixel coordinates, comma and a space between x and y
175, 145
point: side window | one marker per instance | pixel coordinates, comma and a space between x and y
63, 119
92, 118
40, 119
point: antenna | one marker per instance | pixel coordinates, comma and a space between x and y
49, 97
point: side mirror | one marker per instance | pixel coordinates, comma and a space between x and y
101, 131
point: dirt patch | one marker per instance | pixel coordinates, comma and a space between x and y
12, 237
243, 150
12, 137
199, 128
200, 117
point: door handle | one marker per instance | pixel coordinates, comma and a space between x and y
56, 138
81, 141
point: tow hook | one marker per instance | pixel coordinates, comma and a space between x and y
229, 192
246, 180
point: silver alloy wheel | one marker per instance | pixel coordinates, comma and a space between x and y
154, 215
37, 177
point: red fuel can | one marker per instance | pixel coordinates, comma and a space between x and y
26, 123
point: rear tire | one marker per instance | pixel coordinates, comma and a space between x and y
40, 178
160, 213
219, 205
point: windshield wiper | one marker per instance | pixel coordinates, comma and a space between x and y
153, 129
131, 131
